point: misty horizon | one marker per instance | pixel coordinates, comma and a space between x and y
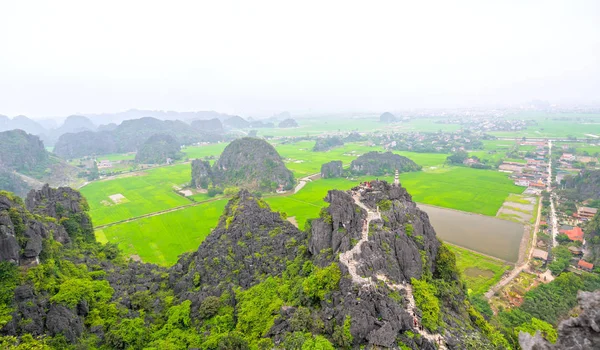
255, 60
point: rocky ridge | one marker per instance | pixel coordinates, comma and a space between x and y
351, 280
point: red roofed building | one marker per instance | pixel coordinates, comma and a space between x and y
584, 265
576, 234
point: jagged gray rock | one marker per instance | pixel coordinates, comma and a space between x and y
201, 174
378, 164
332, 169
61, 320
249, 163
576, 333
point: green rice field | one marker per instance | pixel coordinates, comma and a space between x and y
465, 189
161, 239
145, 192
196, 152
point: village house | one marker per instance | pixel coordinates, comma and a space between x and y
575, 234
576, 250
540, 254
586, 212
522, 182
538, 185
105, 164
511, 167
470, 161
586, 266
567, 157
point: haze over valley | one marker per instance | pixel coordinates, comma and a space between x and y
266, 175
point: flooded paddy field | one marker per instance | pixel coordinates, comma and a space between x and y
484, 234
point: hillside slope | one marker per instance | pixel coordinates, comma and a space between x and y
248, 163
256, 282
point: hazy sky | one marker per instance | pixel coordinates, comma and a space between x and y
258, 57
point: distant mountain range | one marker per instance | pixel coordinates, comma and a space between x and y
50, 131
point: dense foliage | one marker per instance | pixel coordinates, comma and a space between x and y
248, 163
379, 164
159, 149
545, 305
327, 143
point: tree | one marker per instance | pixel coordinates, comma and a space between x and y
538, 325
562, 238
457, 157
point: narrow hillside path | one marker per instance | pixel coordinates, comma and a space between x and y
302, 182
349, 257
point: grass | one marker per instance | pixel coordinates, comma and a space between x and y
161, 239
515, 198
460, 188
146, 192
302, 161
195, 152
479, 271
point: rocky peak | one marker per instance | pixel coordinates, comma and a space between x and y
378, 163
332, 169
249, 163
250, 242
401, 242
22, 234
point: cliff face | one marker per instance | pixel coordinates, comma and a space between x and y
22, 152
577, 333
66, 205
202, 176
250, 242
61, 215
332, 169
158, 148
378, 164
252, 164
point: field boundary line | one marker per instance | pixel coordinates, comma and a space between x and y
156, 213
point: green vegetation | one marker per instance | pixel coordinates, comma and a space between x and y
145, 192
161, 239
545, 305
480, 272
428, 303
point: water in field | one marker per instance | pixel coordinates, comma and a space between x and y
484, 234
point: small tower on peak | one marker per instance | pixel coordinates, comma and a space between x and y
396, 178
